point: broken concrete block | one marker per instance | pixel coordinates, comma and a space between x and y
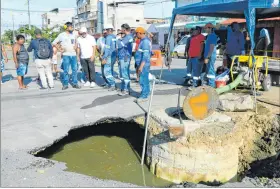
235, 102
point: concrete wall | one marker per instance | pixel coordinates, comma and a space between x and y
60, 18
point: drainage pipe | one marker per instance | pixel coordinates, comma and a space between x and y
230, 86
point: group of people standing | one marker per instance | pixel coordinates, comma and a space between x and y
82, 48
121, 50
201, 53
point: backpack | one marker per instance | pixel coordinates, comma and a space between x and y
43, 49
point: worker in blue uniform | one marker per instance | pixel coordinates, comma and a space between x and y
124, 45
210, 54
109, 57
144, 56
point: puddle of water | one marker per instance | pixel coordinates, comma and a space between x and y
107, 156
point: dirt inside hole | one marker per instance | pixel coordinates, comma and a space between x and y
107, 151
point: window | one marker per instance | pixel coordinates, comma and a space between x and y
49, 21
155, 38
137, 20
183, 41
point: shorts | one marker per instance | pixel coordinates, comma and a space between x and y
2, 65
22, 69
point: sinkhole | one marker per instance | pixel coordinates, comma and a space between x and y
109, 150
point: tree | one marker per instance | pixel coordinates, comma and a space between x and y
8, 36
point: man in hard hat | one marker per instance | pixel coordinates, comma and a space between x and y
210, 54
109, 58
144, 54
124, 45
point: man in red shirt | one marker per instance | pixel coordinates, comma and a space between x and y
195, 64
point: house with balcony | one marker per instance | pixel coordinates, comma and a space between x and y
87, 14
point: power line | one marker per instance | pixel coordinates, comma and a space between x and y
44, 11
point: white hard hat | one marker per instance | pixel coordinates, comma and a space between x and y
108, 26
83, 30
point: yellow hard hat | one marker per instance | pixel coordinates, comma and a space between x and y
140, 30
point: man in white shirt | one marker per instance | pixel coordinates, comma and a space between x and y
86, 51
69, 47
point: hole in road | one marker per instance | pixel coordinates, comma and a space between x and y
107, 151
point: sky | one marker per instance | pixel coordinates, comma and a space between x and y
21, 18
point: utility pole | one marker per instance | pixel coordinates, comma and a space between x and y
28, 5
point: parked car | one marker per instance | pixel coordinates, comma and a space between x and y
179, 50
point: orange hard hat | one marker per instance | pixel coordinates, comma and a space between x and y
140, 30
209, 25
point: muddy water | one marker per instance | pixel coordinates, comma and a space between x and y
107, 157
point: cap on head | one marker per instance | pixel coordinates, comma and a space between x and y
125, 26
209, 25
140, 30
38, 32
108, 26
83, 30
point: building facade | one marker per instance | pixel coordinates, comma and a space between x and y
57, 17
119, 12
87, 14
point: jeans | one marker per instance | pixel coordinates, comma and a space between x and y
125, 73
144, 82
107, 72
70, 61
189, 69
88, 69
114, 60
195, 67
44, 68
210, 71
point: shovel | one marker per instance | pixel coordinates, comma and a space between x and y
176, 131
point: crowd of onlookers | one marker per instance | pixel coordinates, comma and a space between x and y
76, 48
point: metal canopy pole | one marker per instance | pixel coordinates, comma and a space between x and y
147, 124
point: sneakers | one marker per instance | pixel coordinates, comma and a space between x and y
92, 85
106, 87
111, 88
87, 84
123, 93
43, 88
76, 86
65, 87
139, 100
82, 81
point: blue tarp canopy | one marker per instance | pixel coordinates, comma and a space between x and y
230, 8
249, 9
